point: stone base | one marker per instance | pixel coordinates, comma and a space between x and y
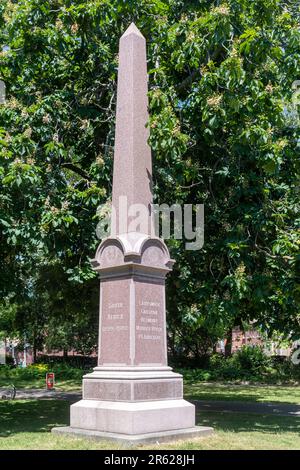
132, 417
132, 384
132, 406
132, 440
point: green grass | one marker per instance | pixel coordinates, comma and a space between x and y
19, 383
196, 391
26, 424
253, 393
34, 376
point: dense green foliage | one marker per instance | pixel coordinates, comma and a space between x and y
250, 364
38, 371
223, 133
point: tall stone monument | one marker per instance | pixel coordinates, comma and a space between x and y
132, 395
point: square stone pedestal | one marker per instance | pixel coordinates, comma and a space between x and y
132, 407
132, 417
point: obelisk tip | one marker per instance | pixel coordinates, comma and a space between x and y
132, 29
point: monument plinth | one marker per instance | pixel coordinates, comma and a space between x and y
132, 395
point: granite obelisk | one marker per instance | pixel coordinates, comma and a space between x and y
132, 395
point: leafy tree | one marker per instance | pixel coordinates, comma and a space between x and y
221, 78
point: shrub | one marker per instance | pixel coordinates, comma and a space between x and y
252, 359
248, 364
38, 371
66, 372
5, 370
77, 362
9, 360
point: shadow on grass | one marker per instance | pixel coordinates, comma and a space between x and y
243, 422
41, 415
32, 415
39, 383
18, 383
261, 408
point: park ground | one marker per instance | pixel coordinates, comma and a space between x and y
239, 415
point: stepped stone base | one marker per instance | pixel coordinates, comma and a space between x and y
133, 405
132, 418
133, 440
137, 384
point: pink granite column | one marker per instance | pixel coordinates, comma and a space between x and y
132, 177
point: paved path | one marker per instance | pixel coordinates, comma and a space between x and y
278, 409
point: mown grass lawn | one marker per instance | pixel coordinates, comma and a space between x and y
251, 393
20, 383
195, 391
26, 424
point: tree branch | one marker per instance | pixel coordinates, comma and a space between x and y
77, 170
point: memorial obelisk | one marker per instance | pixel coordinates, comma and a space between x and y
132, 395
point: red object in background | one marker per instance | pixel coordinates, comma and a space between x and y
50, 380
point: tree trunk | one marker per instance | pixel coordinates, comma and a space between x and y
228, 345
34, 348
